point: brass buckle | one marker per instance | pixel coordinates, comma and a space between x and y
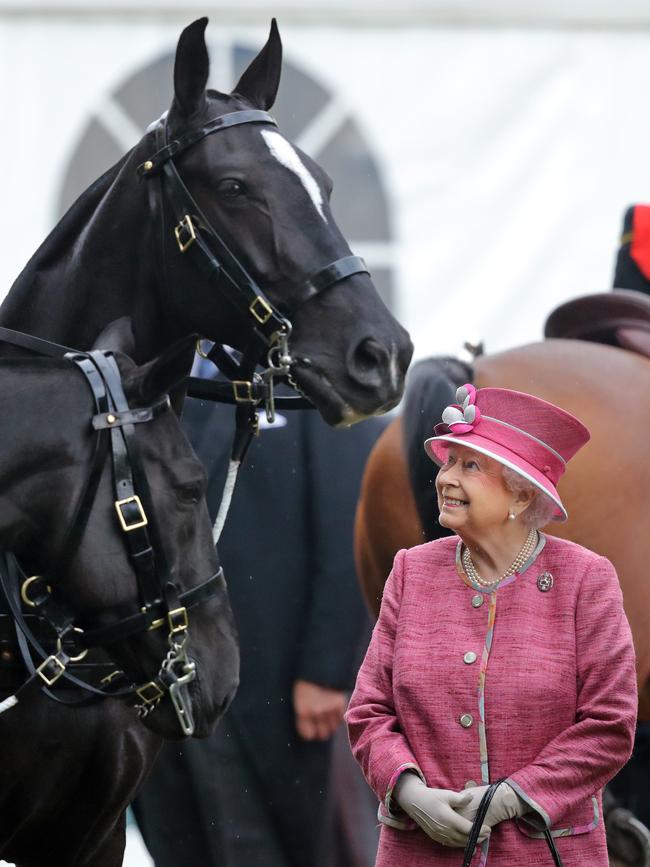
141, 522
154, 696
267, 310
27, 583
51, 660
178, 620
242, 390
199, 349
185, 225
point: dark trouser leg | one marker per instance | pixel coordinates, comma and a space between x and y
203, 806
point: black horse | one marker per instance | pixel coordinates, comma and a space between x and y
260, 208
140, 246
68, 773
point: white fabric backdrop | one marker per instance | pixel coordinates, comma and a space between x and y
509, 154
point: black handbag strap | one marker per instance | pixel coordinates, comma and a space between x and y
551, 845
478, 824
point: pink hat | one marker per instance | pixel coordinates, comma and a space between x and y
532, 437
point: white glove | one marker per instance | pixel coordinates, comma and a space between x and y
505, 804
436, 811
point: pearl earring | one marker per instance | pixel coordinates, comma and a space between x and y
512, 516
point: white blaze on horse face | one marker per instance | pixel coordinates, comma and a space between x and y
285, 154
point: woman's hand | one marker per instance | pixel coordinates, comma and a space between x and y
505, 804
436, 811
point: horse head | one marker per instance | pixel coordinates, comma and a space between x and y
269, 202
98, 578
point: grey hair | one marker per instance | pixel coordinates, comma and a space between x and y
540, 510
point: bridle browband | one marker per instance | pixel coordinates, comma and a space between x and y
161, 602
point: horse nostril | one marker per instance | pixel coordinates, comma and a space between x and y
370, 363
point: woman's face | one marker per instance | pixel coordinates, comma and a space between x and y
472, 494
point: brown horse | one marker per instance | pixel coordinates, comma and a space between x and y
606, 488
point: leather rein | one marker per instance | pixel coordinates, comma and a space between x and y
161, 602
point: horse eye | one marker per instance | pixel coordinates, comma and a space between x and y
229, 188
192, 491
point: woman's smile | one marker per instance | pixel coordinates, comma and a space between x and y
453, 503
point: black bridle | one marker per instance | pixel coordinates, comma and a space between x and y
268, 326
161, 602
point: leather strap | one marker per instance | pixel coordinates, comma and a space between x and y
227, 392
86, 497
323, 279
106, 420
216, 260
155, 162
35, 344
10, 580
130, 622
133, 498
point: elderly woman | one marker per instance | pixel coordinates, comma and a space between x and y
499, 653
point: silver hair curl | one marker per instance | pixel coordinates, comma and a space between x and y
540, 511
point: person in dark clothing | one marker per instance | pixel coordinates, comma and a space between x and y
255, 794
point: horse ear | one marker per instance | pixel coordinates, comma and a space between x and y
117, 337
191, 69
165, 373
259, 83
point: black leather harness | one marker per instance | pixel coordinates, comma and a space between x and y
268, 325
161, 602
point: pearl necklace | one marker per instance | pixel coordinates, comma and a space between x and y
517, 563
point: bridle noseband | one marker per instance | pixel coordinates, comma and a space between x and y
161, 602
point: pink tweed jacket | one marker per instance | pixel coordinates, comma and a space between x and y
534, 682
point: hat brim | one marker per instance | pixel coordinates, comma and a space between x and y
436, 447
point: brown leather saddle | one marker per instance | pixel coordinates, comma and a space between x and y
619, 318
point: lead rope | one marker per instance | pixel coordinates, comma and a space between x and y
226, 499
279, 362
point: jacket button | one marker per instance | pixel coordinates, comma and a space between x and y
470, 784
469, 657
466, 720
477, 600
